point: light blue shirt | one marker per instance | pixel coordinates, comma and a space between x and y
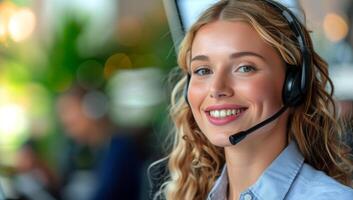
289, 178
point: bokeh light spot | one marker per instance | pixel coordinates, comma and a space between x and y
335, 27
129, 31
90, 74
13, 120
95, 104
115, 62
21, 24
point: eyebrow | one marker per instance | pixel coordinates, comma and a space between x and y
232, 56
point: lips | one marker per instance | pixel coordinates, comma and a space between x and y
223, 114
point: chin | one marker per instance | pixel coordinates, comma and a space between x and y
220, 140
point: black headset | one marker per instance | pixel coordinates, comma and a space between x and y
297, 78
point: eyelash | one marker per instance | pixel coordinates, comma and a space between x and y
202, 69
252, 68
205, 71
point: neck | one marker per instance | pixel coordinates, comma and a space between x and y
247, 160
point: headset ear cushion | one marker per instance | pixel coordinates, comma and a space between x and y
291, 94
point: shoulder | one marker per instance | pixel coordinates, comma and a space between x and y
315, 184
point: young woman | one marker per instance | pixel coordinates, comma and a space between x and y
246, 62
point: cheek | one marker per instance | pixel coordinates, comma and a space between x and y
262, 90
196, 94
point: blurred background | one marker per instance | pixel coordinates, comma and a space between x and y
84, 90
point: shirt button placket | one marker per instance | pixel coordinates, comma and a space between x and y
248, 196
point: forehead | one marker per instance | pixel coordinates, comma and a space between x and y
229, 36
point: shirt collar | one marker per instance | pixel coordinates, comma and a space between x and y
219, 190
276, 180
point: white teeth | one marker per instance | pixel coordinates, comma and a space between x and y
225, 113
216, 113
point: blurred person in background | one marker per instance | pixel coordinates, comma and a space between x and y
103, 162
250, 67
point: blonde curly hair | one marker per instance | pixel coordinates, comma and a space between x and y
194, 163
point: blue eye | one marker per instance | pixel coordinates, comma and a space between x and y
246, 69
202, 71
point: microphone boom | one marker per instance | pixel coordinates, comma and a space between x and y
236, 138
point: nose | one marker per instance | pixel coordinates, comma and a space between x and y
221, 87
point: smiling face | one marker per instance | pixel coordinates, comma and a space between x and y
236, 80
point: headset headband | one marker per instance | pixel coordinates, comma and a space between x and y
295, 26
